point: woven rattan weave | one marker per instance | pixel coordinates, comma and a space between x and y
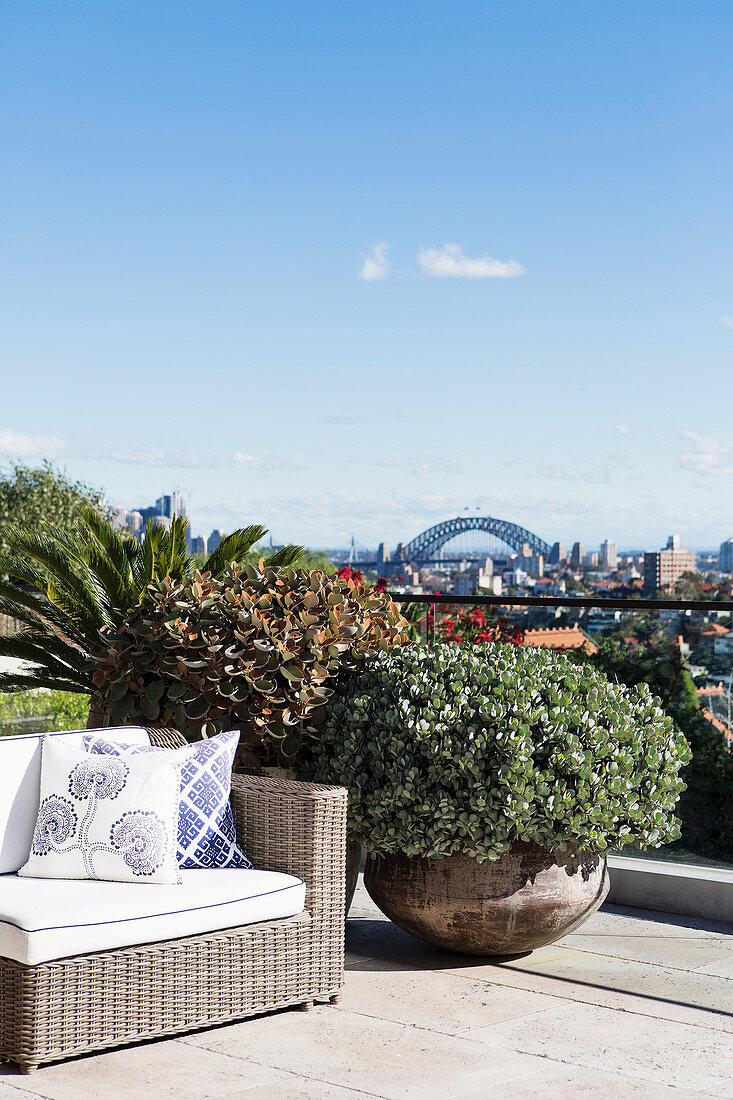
90, 1002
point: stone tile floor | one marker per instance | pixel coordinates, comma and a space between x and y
634, 1004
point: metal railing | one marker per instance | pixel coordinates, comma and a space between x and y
589, 602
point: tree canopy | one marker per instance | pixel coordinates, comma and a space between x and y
31, 495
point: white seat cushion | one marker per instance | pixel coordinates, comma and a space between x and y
45, 919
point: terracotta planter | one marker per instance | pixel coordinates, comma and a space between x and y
526, 899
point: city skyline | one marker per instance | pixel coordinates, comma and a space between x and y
606, 554
362, 272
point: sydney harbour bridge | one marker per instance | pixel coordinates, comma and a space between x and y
428, 547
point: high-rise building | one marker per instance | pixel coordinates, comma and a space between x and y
608, 556
557, 554
214, 540
197, 545
590, 560
663, 568
726, 556
382, 555
171, 504
577, 554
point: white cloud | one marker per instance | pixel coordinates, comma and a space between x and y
728, 321
264, 465
623, 429
708, 457
183, 460
376, 265
419, 467
449, 262
18, 445
346, 417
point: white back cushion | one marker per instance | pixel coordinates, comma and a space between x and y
20, 787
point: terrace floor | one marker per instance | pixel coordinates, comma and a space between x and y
634, 1004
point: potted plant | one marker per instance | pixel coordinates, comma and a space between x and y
488, 782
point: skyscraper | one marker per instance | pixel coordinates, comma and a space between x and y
608, 556
726, 556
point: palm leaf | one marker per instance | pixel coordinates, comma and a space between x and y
34, 606
23, 648
109, 540
38, 678
285, 556
233, 548
85, 590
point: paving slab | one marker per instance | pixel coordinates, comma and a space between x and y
163, 1069
655, 1050
346, 1049
676, 944
559, 1082
444, 1003
688, 996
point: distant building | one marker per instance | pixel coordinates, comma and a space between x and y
477, 577
725, 561
171, 504
533, 563
382, 555
663, 568
577, 554
198, 546
557, 554
134, 521
590, 561
608, 557
213, 540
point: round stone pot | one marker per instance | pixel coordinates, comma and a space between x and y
526, 899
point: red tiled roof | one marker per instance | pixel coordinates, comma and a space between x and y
560, 637
718, 725
714, 629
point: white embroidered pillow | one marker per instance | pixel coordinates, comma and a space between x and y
105, 817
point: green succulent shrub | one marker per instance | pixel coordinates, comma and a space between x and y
259, 649
470, 748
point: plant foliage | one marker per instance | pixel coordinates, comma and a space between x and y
259, 648
706, 806
64, 588
38, 711
470, 748
31, 496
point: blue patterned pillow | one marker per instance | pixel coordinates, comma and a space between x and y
206, 833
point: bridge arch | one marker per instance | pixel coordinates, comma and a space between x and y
426, 546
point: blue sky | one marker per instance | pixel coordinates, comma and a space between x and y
543, 190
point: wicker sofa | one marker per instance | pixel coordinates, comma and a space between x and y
79, 1003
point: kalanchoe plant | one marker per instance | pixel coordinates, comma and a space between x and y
470, 748
259, 649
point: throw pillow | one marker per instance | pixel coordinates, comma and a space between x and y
104, 817
206, 833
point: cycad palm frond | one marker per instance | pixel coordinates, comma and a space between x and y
50, 654
69, 579
31, 678
233, 548
285, 556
